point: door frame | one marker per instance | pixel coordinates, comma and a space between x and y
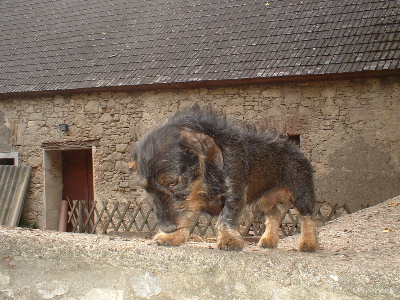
53, 183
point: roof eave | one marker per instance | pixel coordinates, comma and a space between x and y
205, 84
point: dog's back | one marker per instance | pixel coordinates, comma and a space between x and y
261, 160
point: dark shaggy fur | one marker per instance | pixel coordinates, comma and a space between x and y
197, 161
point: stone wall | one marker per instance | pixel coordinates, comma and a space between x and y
349, 129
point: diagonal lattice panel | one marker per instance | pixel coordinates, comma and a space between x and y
132, 216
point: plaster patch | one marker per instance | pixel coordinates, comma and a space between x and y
103, 294
6, 294
4, 279
145, 285
51, 289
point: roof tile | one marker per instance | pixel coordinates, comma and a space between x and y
131, 42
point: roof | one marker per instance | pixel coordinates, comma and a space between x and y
49, 45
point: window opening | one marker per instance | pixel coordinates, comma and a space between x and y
9, 159
7, 162
295, 139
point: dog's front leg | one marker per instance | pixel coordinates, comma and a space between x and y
229, 237
181, 234
175, 238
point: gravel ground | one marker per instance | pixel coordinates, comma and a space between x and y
359, 259
375, 230
371, 231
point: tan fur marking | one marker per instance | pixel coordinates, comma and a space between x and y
308, 239
270, 200
195, 202
132, 165
193, 205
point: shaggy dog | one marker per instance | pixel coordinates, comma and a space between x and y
198, 161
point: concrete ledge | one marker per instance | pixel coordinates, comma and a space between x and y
359, 260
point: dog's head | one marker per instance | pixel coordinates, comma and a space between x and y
179, 168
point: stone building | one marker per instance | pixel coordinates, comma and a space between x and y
81, 81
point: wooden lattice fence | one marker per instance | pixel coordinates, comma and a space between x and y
131, 216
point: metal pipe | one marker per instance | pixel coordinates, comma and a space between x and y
63, 219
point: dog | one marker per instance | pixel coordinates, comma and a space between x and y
198, 161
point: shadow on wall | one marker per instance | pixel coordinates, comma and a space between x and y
361, 174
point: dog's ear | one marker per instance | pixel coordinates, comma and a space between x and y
204, 146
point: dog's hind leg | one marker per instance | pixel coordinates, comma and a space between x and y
270, 238
308, 239
305, 205
268, 205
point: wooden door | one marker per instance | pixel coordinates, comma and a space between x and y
77, 173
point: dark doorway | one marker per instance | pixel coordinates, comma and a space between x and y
77, 174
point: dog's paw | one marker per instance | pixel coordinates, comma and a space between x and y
268, 242
230, 240
308, 245
175, 238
